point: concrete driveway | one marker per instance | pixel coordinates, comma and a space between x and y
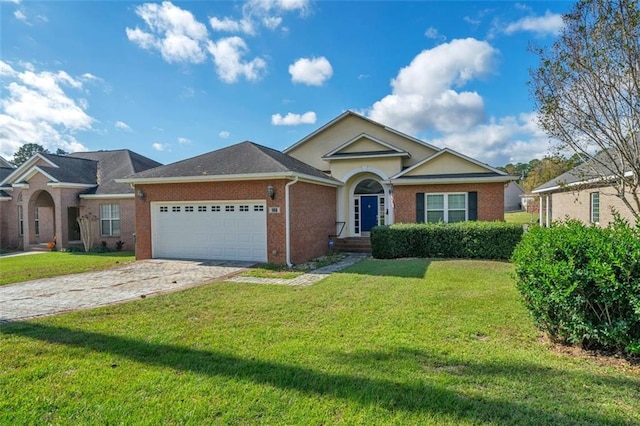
66, 293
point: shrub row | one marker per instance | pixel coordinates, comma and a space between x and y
582, 283
473, 240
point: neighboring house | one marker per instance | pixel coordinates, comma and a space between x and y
581, 194
512, 197
41, 199
530, 202
250, 202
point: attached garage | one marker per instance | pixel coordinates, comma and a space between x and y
232, 230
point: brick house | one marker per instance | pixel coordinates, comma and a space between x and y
250, 202
41, 199
582, 194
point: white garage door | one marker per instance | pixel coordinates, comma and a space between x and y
210, 230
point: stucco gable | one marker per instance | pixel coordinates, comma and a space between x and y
365, 145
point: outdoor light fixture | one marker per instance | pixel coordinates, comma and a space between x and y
271, 192
140, 195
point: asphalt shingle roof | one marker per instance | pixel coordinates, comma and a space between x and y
242, 158
589, 170
4, 172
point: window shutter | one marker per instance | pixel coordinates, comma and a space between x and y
419, 207
473, 205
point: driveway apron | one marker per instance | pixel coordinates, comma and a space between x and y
66, 293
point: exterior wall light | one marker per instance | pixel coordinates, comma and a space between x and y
271, 192
140, 195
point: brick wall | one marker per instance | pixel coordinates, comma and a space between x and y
490, 199
313, 218
127, 221
214, 191
577, 205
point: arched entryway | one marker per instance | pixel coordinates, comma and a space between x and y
41, 216
369, 205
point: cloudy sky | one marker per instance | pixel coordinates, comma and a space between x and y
172, 80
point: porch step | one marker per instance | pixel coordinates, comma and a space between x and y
353, 245
38, 247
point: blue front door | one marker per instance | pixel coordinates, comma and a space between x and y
368, 212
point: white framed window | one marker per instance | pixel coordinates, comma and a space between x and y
110, 219
595, 207
20, 220
447, 207
36, 221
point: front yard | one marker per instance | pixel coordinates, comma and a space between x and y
384, 342
15, 269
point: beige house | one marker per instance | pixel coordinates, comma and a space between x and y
41, 199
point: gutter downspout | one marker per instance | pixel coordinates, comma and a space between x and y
288, 222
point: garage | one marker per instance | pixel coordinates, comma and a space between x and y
234, 230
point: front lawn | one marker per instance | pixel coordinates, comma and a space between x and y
443, 342
521, 217
15, 269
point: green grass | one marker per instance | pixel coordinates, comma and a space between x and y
30, 267
385, 342
520, 217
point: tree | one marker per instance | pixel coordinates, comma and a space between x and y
61, 151
587, 92
27, 151
546, 169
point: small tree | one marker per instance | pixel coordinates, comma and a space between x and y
88, 229
25, 152
587, 91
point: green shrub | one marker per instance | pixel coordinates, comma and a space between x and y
471, 240
582, 283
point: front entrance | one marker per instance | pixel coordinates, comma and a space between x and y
368, 206
72, 223
369, 213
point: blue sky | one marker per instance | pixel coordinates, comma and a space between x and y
172, 80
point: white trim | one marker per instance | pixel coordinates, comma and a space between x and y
26, 165
456, 154
70, 185
21, 185
351, 113
444, 180
356, 157
5, 198
365, 136
32, 172
227, 178
106, 196
352, 205
582, 182
287, 223
367, 169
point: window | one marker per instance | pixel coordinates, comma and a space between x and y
36, 221
215, 208
20, 220
258, 208
110, 219
188, 209
202, 208
229, 208
595, 207
446, 207
164, 209
175, 209
244, 208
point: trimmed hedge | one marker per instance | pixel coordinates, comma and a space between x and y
471, 240
581, 283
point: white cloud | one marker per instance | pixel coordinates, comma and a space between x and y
174, 32
423, 96
227, 55
160, 146
231, 25
434, 34
35, 108
20, 16
549, 24
292, 119
184, 141
224, 134
122, 126
272, 22
509, 139
313, 71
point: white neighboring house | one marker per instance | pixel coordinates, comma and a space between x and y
512, 200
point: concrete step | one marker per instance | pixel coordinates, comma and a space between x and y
353, 244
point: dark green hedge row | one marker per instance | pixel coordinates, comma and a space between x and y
582, 283
472, 240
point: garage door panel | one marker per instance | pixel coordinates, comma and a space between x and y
226, 231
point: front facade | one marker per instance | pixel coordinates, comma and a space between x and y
250, 202
41, 200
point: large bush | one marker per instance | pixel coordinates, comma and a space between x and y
472, 240
582, 283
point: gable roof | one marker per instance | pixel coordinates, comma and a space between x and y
5, 164
486, 173
350, 113
95, 170
385, 149
246, 160
589, 172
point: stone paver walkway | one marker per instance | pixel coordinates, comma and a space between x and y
66, 293
308, 278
